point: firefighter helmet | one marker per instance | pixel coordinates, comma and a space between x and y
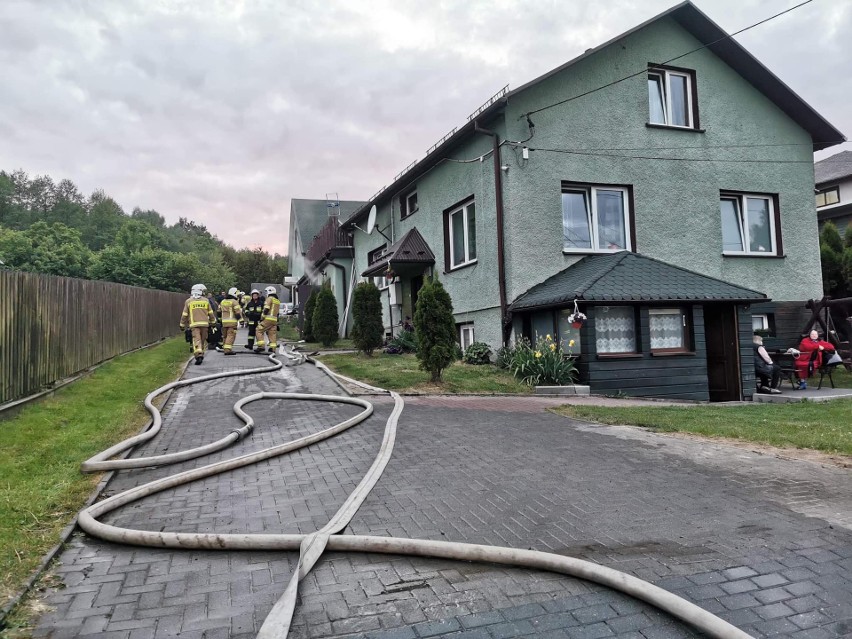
270, 290
197, 292
233, 291
254, 290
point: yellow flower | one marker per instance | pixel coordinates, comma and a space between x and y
571, 343
552, 347
537, 354
548, 337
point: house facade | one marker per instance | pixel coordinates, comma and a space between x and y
833, 186
321, 251
681, 185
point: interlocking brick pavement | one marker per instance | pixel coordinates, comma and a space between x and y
766, 543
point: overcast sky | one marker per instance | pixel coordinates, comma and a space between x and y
222, 110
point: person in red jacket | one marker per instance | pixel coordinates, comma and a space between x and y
812, 350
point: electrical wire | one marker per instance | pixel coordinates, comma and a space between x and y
670, 60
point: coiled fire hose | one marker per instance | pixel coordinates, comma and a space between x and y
311, 546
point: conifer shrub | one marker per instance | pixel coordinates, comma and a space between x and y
308, 326
435, 328
325, 321
367, 331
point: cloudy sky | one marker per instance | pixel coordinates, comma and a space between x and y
222, 110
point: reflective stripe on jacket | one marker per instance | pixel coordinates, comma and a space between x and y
270, 308
231, 311
197, 313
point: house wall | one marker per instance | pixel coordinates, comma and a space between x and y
340, 281
839, 214
676, 203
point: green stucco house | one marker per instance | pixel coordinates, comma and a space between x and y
662, 183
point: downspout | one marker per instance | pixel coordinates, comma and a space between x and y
501, 259
342, 329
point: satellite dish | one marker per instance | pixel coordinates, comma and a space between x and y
371, 220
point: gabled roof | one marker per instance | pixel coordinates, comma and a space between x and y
707, 32
411, 248
309, 216
629, 277
833, 168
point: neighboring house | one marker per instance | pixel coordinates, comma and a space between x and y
656, 204
320, 251
833, 179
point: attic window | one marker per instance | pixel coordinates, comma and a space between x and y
825, 197
671, 97
408, 204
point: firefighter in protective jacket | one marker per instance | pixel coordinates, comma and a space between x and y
230, 312
253, 313
198, 316
268, 321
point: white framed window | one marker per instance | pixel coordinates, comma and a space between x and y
408, 204
827, 197
760, 322
748, 224
461, 232
669, 329
670, 96
466, 336
615, 329
381, 282
595, 219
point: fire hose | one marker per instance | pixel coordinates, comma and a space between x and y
311, 546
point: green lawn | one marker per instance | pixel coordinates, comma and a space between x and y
401, 373
41, 447
820, 426
842, 379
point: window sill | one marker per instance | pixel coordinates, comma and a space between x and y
672, 127
459, 267
408, 215
566, 251
673, 354
759, 255
619, 356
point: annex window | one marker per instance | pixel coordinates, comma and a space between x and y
408, 204
595, 219
669, 329
615, 329
567, 333
671, 97
381, 282
825, 197
460, 233
466, 336
748, 224
760, 322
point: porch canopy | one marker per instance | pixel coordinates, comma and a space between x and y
630, 277
409, 255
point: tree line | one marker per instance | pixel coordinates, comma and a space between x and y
50, 227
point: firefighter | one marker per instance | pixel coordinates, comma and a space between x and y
198, 317
244, 298
252, 312
268, 321
230, 312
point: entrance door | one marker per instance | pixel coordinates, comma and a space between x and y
723, 367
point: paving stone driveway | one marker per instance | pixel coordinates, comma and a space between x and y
764, 542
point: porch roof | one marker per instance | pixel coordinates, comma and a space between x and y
411, 248
630, 277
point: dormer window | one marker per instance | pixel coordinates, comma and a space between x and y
671, 98
408, 204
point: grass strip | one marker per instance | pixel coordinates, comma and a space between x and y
820, 426
42, 446
402, 373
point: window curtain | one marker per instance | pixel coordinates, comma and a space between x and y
615, 329
666, 329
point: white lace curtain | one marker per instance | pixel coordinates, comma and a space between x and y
666, 328
615, 329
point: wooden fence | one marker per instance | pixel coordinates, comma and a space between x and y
53, 327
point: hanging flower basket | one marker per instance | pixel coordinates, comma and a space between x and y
577, 319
